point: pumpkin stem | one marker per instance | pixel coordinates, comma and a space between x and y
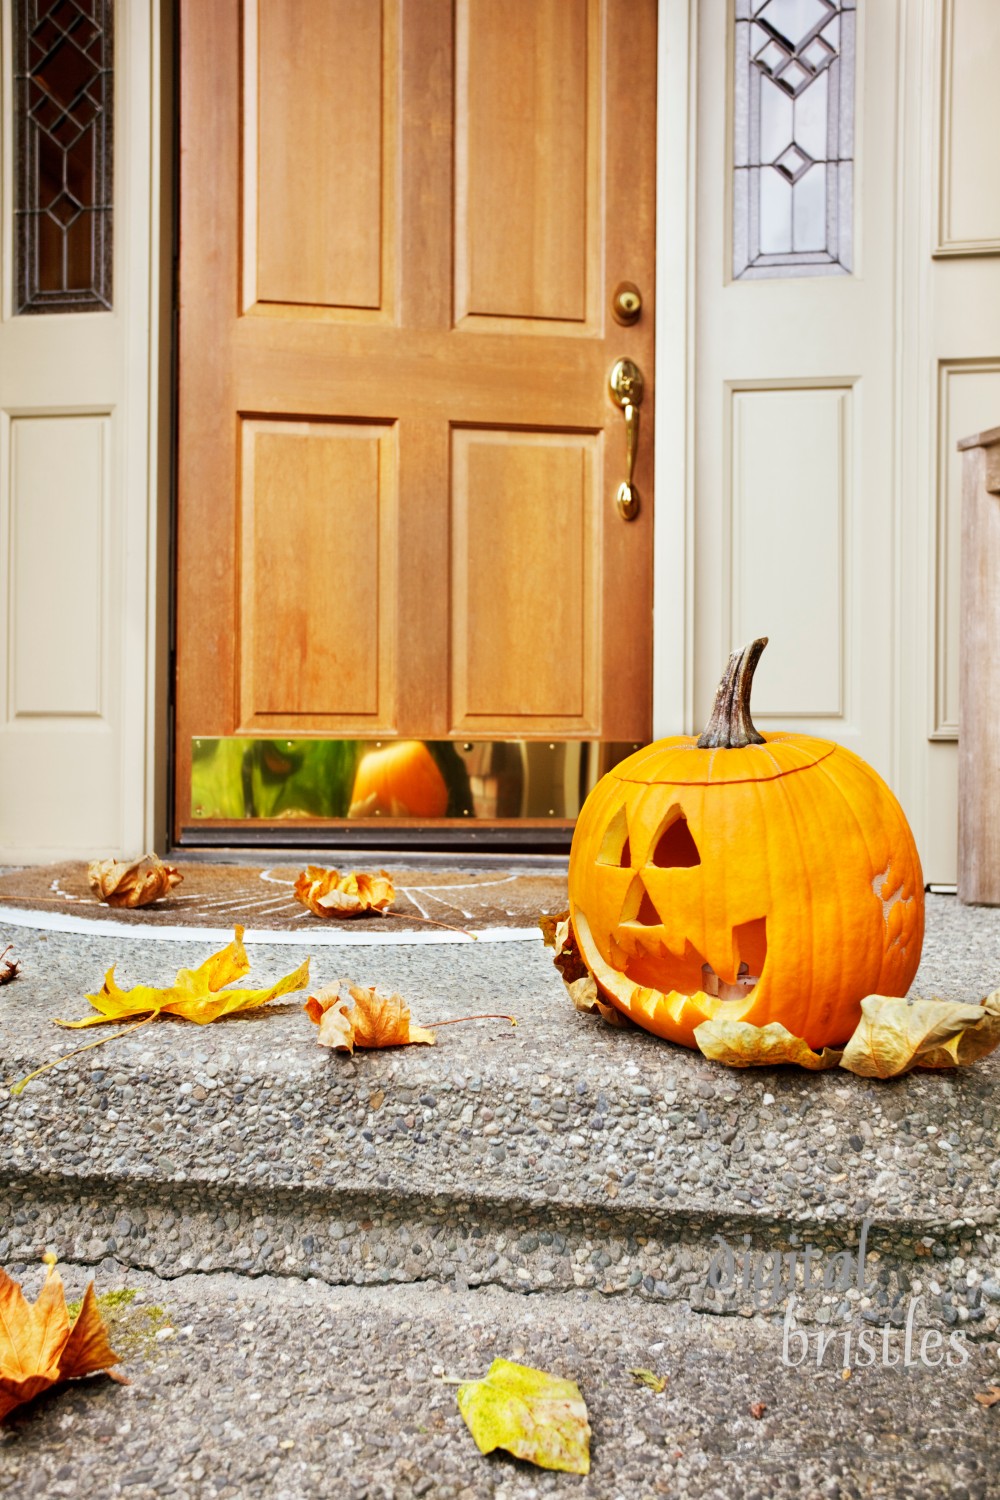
731, 727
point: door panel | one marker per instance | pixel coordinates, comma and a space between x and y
548, 670
401, 228
524, 98
319, 149
317, 523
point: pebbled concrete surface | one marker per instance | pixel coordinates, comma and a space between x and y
327, 1237
561, 1154
289, 1391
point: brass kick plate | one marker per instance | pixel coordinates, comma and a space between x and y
432, 780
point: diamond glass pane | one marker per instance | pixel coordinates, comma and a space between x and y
63, 61
793, 134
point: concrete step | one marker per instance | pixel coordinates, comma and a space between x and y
557, 1155
292, 1391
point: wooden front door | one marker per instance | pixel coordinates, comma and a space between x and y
402, 227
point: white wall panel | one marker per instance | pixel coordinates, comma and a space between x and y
58, 499
968, 402
83, 542
969, 128
790, 501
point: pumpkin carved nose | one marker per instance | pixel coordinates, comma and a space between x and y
638, 906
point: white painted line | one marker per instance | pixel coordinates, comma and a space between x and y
305, 937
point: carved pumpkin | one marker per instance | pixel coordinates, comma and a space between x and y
764, 877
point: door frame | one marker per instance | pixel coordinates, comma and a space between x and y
673, 457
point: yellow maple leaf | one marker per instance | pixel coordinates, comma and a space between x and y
533, 1415
40, 1347
896, 1035
740, 1045
363, 1018
120, 883
893, 1036
196, 994
327, 893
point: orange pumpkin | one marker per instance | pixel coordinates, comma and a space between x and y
764, 877
401, 780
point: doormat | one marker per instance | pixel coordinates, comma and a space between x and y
495, 905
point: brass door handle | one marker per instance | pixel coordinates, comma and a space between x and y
626, 386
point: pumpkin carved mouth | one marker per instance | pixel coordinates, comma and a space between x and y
678, 997
640, 950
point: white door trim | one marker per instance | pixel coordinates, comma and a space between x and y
673, 544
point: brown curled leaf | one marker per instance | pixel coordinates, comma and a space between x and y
39, 1346
139, 883
363, 1018
327, 893
558, 934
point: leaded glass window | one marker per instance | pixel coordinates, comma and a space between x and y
793, 138
63, 143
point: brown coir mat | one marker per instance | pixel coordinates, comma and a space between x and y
221, 895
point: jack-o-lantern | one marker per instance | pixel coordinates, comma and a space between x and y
760, 877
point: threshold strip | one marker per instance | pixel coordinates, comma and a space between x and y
311, 937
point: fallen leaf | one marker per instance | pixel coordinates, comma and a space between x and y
558, 934
196, 994
533, 1415
9, 967
896, 1035
740, 1045
120, 883
376, 1100
40, 1347
363, 1018
327, 893
655, 1382
990, 1397
757, 1409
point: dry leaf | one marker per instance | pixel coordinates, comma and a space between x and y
990, 1397
895, 1035
580, 983
372, 1020
9, 967
327, 893
740, 1045
534, 1416
196, 994
655, 1382
757, 1409
40, 1347
137, 884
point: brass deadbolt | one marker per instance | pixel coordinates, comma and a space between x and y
626, 304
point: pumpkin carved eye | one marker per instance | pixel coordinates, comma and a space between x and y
615, 847
674, 847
